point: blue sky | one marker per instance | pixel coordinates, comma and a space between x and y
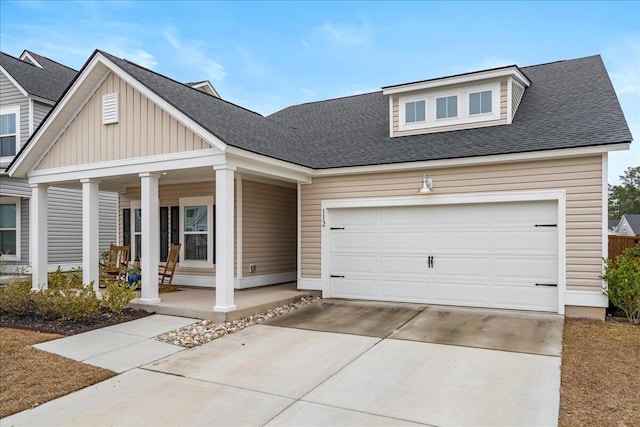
268, 55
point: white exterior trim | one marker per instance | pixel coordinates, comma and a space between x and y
509, 100
466, 78
437, 199
225, 195
258, 163
14, 81
150, 256
159, 163
90, 233
299, 232
38, 241
133, 205
30, 117
263, 280
8, 201
310, 284
239, 226
586, 299
605, 206
197, 201
31, 59
480, 160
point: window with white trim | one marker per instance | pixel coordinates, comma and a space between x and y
10, 228
196, 231
447, 107
9, 130
415, 111
480, 102
137, 233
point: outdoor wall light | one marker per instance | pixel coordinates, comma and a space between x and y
427, 186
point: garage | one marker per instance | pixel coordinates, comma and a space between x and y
499, 255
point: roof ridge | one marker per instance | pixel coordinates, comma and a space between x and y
49, 59
180, 83
325, 100
562, 60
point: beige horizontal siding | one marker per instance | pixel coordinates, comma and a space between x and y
144, 129
269, 228
580, 177
501, 121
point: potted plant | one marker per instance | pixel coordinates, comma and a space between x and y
133, 274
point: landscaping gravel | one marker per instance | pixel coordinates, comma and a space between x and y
206, 330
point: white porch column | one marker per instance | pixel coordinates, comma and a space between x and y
90, 233
150, 254
38, 241
224, 238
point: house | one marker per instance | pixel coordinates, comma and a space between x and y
629, 225
612, 225
484, 189
29, 88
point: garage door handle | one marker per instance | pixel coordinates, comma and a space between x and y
546, 225
546, 284
334, 275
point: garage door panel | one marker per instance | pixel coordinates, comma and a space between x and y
354, 288
506, 214
526, 298
467, 241
531, 269
342, 264
403, 241
469, 216
536, 241
353, 242
402, 266
354, 217
459, 293
398, 290
403, 218
462, 267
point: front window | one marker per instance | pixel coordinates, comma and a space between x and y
196, 231
8, 133
415, 111
137, 233
447, 107
8, 229
480, 102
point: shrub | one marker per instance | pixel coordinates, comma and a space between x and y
118, 296
15, 298
622, 277
66, 302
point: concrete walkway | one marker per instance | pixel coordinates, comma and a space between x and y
300, 374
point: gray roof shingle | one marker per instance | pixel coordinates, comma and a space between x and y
48, 82
569, 104
634, 222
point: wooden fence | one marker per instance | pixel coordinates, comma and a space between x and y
617, 244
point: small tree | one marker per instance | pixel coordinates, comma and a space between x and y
622, 277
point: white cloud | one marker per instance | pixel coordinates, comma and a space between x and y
139, 56
308, 93
347, 35
623, 61
192, 54
252, 64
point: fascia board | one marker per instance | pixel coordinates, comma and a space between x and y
267, 165
500, 158
14, 81
467, 78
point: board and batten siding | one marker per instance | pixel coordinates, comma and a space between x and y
581, 178
11, 96
64, 223
144, 129
501, 121
269, 228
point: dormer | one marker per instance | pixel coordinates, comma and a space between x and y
206, 87
464, 101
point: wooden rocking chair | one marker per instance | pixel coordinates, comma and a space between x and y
117, 263
165, 275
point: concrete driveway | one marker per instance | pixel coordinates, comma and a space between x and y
341, 363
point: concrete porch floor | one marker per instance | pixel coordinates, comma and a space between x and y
198, 302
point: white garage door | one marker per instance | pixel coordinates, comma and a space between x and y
486, 255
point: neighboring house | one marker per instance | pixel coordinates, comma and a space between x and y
511, 164
29, 87
613, 224
629, 225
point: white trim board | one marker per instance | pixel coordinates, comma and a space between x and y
244, 283
435, 199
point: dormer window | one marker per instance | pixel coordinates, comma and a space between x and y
480, 102
415, 111
446, 107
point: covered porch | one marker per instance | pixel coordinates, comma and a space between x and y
196, 302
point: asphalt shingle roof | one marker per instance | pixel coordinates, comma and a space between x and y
634, 222
569, 104
48, 82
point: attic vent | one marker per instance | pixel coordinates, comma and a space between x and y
110, 108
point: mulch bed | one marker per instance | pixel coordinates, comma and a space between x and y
36, 322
